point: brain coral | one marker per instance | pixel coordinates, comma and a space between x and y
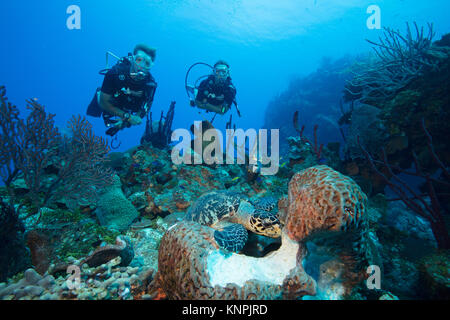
322, 199
191, 266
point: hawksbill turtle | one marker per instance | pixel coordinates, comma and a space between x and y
231, 215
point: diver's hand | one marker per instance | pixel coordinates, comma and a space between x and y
134, 120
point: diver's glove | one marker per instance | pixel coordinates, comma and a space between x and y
114, 129
119, 125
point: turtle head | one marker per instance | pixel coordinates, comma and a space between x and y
265, 223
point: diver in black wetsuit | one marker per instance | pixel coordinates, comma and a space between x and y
216, 93
127, 91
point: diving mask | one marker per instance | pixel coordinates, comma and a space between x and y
221, 71
141, 66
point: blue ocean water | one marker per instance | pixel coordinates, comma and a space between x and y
267, 43
288, 58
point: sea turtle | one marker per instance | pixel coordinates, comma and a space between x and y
266, 203
231, 215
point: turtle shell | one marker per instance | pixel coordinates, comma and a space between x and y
214, 206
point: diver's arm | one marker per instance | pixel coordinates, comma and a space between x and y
230, 94
106, 104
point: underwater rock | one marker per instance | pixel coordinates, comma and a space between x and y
139, 200
330, 274
174, 218
114, 210
127, 253
434, 276
364, 184
118, 160
28, 285
388, 296
402, 219
366, 124
31, 276
163, 178
146, 247
142, 223
107, 281
47, 282
301, 154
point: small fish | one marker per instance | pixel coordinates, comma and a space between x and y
234, 179
283, 164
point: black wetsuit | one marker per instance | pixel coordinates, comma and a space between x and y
129, 95
210, 87
118, 80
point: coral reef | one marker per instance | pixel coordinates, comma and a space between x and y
435, 276
41, 250
159, 133
107, 281
366, 124
114, 210
331, 232
304, 154
109, 272
188, 251
320, 201
29, 147
15, 256
433, 212
393, 94
399, 60
31, 285
316, 97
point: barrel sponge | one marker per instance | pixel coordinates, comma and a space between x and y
186, 264
322, 199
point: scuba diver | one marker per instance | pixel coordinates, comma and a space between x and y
216, 93
127, 91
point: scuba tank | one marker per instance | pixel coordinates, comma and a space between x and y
94, 109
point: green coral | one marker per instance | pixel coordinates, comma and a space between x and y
50, 217
86, 235
76, 236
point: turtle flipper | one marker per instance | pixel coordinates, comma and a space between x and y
232, 237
